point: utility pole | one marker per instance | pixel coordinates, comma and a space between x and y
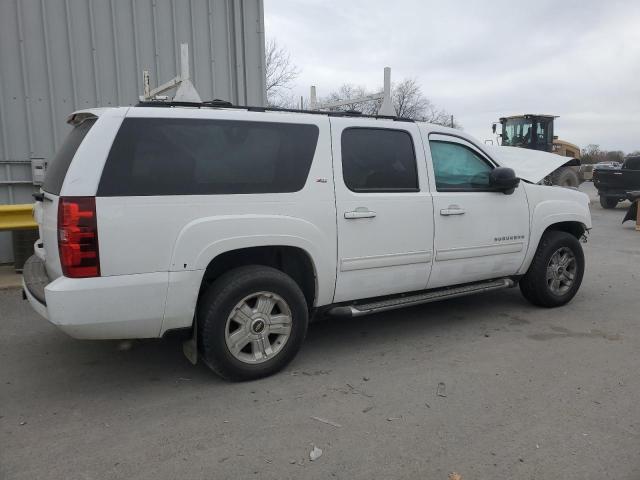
451, 121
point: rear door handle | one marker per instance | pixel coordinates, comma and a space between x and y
452, 210
360, 212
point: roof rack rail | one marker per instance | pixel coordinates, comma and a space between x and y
228, 105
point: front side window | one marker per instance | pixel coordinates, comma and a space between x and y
165, 156
632, 163
543, 132
458, 167
378, 160
517, 132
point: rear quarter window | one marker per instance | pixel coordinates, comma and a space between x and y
632, 163
378, 160
207, 157
57, 168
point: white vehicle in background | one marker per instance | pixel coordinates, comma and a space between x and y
240, 224
607, 166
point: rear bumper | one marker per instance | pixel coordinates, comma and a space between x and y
115, 307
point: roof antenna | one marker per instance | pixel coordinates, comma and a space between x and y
185, 92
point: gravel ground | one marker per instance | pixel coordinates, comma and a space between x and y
530, 393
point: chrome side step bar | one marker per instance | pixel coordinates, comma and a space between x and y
420, 298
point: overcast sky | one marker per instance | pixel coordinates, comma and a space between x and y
480, 60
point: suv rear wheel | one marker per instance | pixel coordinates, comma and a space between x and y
608, 202
251, 322
556, 271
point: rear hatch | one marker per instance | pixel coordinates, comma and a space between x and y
46, 206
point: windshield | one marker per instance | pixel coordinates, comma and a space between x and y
516, 132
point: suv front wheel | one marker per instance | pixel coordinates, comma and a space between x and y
555, 274
251, 322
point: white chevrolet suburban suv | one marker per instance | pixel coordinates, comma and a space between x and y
239, 224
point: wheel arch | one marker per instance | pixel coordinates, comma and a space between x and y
186, 287
575, 225
204, 242
294, 261
575, 228
201, 241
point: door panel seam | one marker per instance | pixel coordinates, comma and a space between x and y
386, 260
478, 251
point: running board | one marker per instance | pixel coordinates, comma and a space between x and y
420, 298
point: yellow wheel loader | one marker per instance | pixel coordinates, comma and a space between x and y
535, 132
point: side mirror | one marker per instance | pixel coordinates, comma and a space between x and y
503, 180
493, 128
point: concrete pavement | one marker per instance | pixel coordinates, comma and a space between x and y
9, 278
530, 393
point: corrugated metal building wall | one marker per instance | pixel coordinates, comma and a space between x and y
57, 56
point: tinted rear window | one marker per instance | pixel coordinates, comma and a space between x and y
378, 160
57, 168
201, 157
632, 163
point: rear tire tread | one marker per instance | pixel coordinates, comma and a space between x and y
212, 312
608, 202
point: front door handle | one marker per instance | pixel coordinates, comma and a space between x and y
453, 210
360, 212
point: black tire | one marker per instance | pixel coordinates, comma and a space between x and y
534, 285
566, 178
608, 202
216, 305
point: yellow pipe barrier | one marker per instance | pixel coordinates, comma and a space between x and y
17, 217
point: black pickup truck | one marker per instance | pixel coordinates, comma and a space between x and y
613, 185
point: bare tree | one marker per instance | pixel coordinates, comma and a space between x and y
280, 73
614, 156
407, 98
593, 154
349, 91
439, 116
410, 102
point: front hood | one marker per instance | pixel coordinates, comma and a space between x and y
529, 165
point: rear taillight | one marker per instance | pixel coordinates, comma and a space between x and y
78, 237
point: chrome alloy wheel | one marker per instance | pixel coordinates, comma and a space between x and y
258, 327
561, 271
